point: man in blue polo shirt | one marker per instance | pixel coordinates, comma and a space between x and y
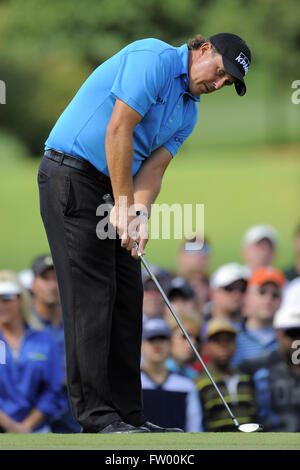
117, 136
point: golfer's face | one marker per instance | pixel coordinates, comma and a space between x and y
207, 73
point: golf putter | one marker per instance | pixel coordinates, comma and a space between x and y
247, 427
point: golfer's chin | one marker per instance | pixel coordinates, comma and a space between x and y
199, 89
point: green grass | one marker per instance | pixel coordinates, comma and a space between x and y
239, 186
195, 441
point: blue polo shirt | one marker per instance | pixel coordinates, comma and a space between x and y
152, 78
33, 379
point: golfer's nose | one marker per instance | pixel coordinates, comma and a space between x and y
219, 83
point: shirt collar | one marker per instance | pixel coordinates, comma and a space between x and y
182, 72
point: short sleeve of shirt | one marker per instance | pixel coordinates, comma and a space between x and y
139, 80
176, 141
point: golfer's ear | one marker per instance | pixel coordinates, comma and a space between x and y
206, 46
123, 116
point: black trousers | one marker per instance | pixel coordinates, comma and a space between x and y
101, 294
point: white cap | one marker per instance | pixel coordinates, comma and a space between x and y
287, 318
9, 288
258, 232
291, 294
26, 277
227, 274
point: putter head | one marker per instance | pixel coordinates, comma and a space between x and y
250, 427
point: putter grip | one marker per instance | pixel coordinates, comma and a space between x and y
108, 200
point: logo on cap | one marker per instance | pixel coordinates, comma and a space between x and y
48, 261
244, 61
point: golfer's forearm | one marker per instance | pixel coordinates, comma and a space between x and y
146, 188
147, 182
119, 154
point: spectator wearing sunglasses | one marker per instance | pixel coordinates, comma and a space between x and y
262, 300
277, 375
228, 285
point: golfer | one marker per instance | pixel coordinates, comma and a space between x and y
117, 136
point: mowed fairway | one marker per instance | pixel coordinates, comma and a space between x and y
188, 441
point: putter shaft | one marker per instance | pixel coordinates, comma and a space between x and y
153, 277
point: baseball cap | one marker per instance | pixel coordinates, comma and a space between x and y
41, 264
9, 288
155, 327
291, 294
218, 325
263, 275
259, 232
181, 286
26, 278
227, 274
236, 57
287, 318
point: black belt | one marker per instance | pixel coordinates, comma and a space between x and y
74, 162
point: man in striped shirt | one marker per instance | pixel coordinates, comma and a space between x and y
238, 389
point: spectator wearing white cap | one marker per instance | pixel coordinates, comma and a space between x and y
259, 246
228, 285
31, 378
277, 375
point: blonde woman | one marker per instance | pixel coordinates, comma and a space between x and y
30, 371
182, 359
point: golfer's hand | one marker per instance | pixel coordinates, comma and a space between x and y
121, 220
143, 236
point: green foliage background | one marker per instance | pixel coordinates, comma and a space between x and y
49, 48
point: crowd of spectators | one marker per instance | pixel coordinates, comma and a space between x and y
244, 319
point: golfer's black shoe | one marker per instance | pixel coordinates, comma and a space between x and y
119, 427
154, 428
